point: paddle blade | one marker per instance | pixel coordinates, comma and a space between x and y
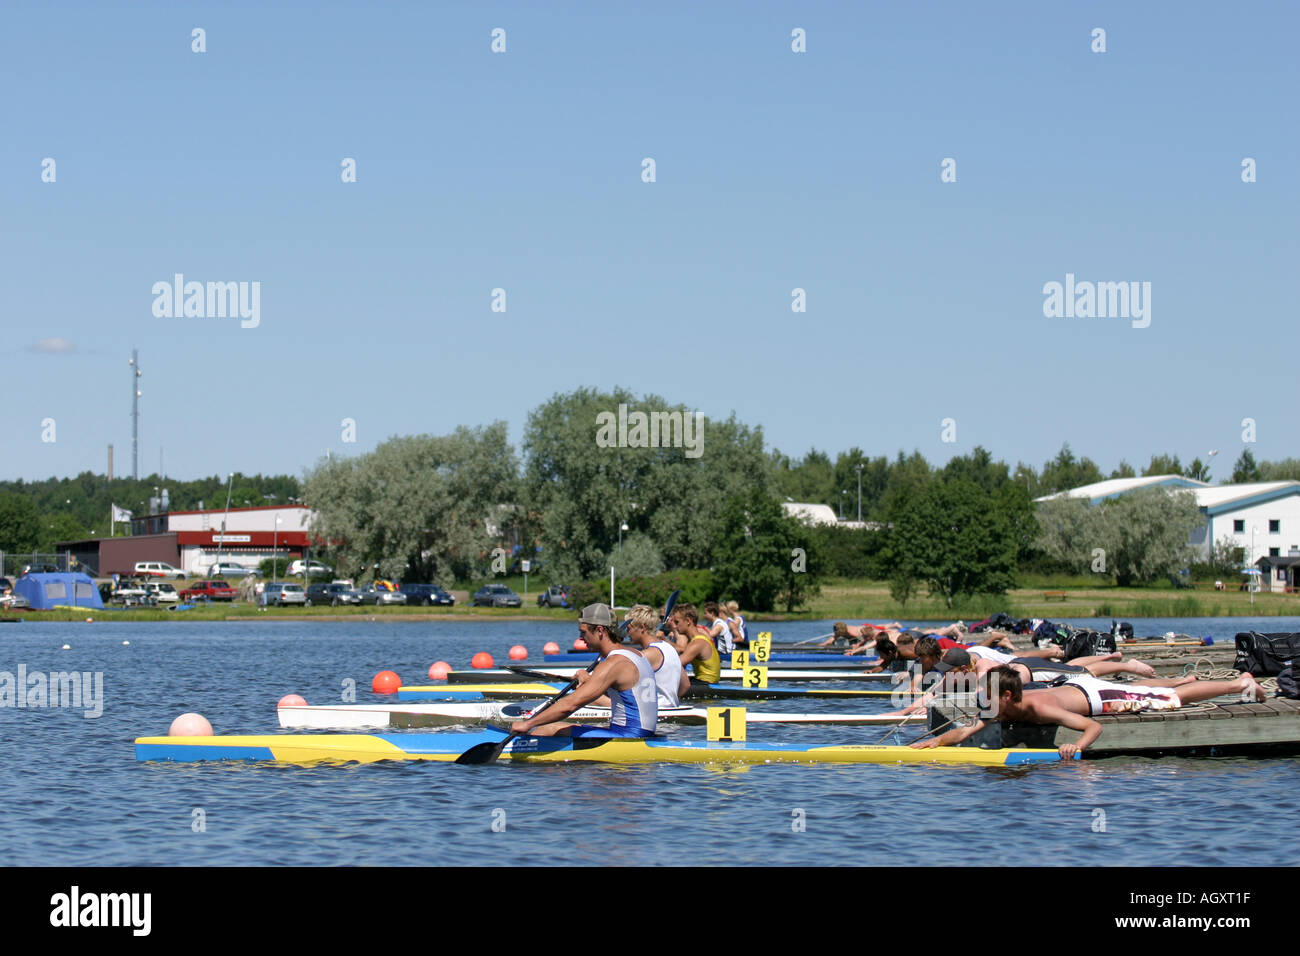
482, 753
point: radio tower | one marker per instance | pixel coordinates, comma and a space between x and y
134, 362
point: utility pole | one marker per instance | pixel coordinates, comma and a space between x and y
134, 362
859, 492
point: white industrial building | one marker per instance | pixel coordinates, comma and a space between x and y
1262, 518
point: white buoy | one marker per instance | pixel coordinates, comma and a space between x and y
66, 647
126, 643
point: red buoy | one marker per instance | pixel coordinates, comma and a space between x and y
550, 647
291, 700
518, 653
386, 682
439, 670
579, 645
482, 660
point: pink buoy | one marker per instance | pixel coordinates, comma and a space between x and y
386, 682
579, 645
291, 700
190, 725
439, 670
518, 653
550, 647
481, 661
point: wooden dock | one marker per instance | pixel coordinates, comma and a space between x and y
1205, 729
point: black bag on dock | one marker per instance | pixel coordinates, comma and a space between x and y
1264, 655
1286, 683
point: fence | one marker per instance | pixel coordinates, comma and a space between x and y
12, 565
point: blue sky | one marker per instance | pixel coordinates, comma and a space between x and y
522, 171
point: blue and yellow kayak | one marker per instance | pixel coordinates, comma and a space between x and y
368, 748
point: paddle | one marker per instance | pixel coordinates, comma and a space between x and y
489, 752
819, 637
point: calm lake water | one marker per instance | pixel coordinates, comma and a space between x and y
75, 794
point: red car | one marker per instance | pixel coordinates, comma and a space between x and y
212, 590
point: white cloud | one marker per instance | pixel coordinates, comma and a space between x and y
54, 347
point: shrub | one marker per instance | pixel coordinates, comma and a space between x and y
696, 588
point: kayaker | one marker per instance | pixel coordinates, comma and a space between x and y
719, 631
623, 674
641, 625
739, 629
695, 647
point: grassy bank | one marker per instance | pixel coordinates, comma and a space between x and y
840, 599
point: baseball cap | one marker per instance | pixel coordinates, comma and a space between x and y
601, 615
952, 659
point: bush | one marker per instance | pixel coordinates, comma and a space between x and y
696, 588
274, 569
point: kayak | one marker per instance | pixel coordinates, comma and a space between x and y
699, 691
367, 748
368, 716
546, 672
811, 661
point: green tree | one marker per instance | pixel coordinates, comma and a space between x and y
1149, 532
956, 536
1245, 469
20, 525
637, 557
1069, 530
1124, 470
756, 561
1288, 469
583, 491
1163, 465
419, 507
1065, 472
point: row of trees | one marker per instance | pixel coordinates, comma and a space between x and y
437, 508
34, 515
815, 478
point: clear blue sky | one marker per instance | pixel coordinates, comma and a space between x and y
522, 171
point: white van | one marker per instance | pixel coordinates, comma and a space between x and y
157, 569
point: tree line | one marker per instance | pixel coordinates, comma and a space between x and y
468, 505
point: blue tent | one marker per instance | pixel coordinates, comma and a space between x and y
44, 591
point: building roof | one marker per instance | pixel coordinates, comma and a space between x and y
810, 513
1112, 487
1213, 499
1223, 498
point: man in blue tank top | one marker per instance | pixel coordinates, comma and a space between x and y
623, 674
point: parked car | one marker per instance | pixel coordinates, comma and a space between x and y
8, 599
557, 595
426, 594
208, 590
332, 594
229, 569
373, 595
496, 595
160, 592
314, 569
280, 593
157, 569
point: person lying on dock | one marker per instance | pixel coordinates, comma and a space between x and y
624, 675
958, 661
1079, 698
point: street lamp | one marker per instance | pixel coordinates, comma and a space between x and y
859, 492
621, 528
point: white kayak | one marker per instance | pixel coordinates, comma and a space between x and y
416, 714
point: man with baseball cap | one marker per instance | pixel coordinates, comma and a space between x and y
623, 674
